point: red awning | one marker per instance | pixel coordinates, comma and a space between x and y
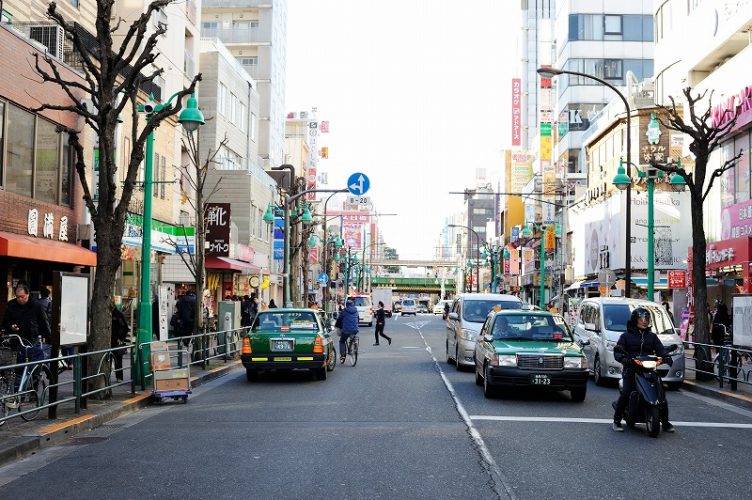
29, 247
228, 264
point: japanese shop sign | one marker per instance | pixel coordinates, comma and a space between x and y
218, 229
48, 225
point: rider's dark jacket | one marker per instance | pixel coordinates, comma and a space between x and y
638, 342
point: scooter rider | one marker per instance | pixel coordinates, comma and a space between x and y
638, 340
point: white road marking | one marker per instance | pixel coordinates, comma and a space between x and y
492, 467
501, 418
417, 325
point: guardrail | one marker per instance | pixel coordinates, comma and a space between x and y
726, 364
58, 389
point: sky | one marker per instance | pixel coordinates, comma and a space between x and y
417, 97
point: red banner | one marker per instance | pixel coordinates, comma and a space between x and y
516, 112
677, 279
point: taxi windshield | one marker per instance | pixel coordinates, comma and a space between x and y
475, 311
289, 320
529, 327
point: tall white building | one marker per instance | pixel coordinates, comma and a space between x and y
255, 32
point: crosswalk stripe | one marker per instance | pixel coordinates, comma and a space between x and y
575, 420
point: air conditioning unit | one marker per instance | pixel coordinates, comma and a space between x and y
51, 36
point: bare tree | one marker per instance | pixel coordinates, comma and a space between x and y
705, 138
112, 78
196, 171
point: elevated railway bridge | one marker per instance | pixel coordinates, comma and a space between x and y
415, 285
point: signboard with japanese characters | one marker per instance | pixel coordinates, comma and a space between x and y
654, 141
677, 279
516, 112
218, 229
47, 220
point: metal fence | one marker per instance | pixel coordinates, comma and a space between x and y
725, 364
51, 388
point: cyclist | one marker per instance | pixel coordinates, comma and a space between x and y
349, 327
25, 316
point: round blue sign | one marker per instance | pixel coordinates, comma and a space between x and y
358, 184
323, 278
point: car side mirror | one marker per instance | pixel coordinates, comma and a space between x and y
453, 315
584, 342
488, 338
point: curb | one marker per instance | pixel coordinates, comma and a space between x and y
21, 446
728, 396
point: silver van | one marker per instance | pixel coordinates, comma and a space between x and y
465, 320
602, 320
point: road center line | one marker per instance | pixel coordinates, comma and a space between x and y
501, 418
485, 454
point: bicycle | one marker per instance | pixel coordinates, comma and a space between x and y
32, 389
726, 356
352, 343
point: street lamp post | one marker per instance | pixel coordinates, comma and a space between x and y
190, 118
269, 218
677, 183
550, 72
477, 255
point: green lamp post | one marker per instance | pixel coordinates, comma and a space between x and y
190, 118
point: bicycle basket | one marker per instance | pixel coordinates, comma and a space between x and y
7, 356
39, 352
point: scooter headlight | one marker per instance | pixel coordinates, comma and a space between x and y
650, 365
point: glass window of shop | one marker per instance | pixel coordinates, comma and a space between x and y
36, 161
728, 179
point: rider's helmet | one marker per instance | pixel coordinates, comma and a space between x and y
640, 313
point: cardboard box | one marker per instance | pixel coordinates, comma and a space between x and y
173, 384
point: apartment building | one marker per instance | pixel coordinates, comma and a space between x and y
255, 32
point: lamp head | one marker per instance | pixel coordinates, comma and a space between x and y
312, 241
548, 72
677, 182
527, 232
191, 117
621, 179
306, 218
269, 214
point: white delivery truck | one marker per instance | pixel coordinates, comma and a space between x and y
384, 295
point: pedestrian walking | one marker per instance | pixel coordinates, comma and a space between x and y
118, 338
25, 316
186, 309
380, 323
272, 305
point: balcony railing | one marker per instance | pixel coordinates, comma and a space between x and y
237, 35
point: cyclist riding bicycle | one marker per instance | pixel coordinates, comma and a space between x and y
26, 317
349, 327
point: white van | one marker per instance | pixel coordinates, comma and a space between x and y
465, 320
602, 320
363, 304
409, 306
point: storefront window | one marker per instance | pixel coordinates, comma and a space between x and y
741, 145
47, 162
66, 193
20, 157
728, 178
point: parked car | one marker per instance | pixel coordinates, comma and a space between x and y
288, 339
423, 308
397, 306
602, 320
409, 306
529, 349
363, 304
467, 315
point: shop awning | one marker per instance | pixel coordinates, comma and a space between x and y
589, 284
29, 247
574, 286
228, 264
643, 282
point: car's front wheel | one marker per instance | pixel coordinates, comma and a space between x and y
489, 391
578, 395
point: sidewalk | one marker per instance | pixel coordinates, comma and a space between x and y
19, 438
742, 396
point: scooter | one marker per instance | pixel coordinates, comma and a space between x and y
646, 403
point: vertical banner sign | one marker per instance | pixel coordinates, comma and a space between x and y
279, 239
516, 112
218, 229
547, 167
313, 134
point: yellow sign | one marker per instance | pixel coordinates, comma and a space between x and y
265, 283
550, 240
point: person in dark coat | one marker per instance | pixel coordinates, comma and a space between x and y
349, 317
118, 338
245, 311
721, 317
380, 323
187, 313
272, 305
25, 316
638, 340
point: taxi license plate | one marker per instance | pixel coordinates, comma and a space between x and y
282, 345
536, 379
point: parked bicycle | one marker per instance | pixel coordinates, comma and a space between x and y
26, 388
724, 359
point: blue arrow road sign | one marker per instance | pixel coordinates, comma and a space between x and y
358, 184
323, 278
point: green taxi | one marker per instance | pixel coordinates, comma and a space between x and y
288, 339
529, 349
